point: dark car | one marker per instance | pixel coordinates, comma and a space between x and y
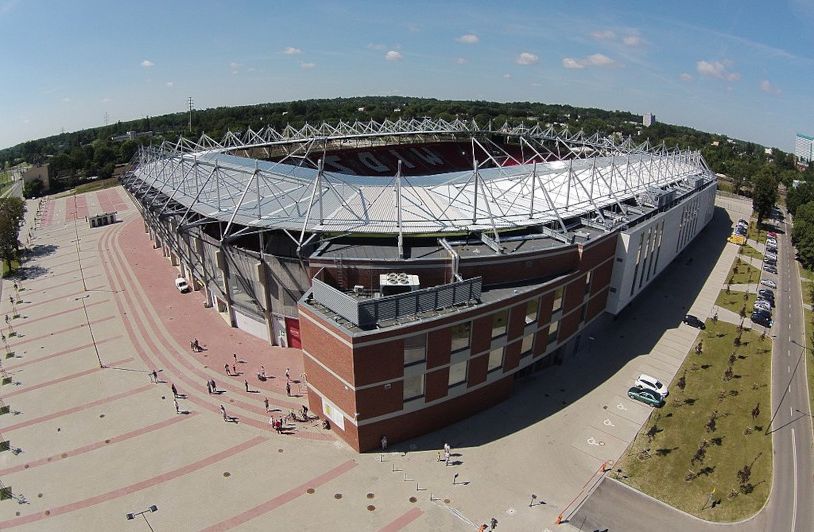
763, 313
646, 396
761, 319
769, 300
692, 321
766, 292
768, 268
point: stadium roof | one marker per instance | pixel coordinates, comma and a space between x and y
563, 176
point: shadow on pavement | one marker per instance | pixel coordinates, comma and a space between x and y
661, 306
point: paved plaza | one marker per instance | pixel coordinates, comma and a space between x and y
90, 444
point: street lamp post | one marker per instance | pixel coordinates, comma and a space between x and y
142, 513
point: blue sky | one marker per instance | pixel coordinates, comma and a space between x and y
743, 68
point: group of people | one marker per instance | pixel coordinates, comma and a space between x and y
195, 346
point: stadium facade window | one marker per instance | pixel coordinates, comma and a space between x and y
415, 349
532, 308
499, 322
461, 333
413, 387
495, 359
457, 373
528, 343
557, 300
552, 332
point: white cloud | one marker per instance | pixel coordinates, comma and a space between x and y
597, 60
685, 76
461, 61
234, 66
526, 58
507, 76
469, 38
106, 99
376, 46
570, 63
290, 50
147, 63
769, 87
603, 35
413, 28
170, 84
307, 66
393, 55
634, 41
717, 69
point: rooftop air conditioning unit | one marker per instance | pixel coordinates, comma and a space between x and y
397, 283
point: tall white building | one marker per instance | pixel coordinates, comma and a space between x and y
648, 119
804, 148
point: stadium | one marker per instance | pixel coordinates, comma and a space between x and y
421, 266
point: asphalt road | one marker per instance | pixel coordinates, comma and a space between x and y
615, 507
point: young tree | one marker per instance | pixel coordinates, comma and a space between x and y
764, 195
12, 211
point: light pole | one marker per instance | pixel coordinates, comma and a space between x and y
149, 510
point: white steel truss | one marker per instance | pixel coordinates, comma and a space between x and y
559, 176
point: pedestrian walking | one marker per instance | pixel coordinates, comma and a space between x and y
174, 390
272, 423
235, 355
288, 389
247, 384
214, 388
287, 374
155, 376
234, 369
267, 404
209, 387
223, 411
177, 409
226, 369
447, 448
383, 442
446, 457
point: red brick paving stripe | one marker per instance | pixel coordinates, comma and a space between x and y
55, 314
403, 520
61, 353
138, 486
54, 333
24, 389
105, 200
96, 445
81, 207
66, 283
31, 305
281, 499
121, 204
75, 409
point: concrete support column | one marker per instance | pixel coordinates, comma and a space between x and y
261, 269
223, 272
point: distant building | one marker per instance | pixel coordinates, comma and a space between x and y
130, 135
768, 151
648, 119
804, 148
38, 171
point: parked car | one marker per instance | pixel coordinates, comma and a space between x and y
762, 312
182, 285
769, 283
652, 384
769, 300
692, 321
763, 305
768, 268
766, 292
771, 242
771, 234
761, 319
646, 396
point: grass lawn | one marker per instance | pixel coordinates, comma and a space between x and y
664, 460
735, 301
805, 273
749, 251
755, 233
14, 263
743, 273
96, 185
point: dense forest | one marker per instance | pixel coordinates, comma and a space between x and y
76, 156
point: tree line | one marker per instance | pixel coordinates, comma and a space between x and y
91, 152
